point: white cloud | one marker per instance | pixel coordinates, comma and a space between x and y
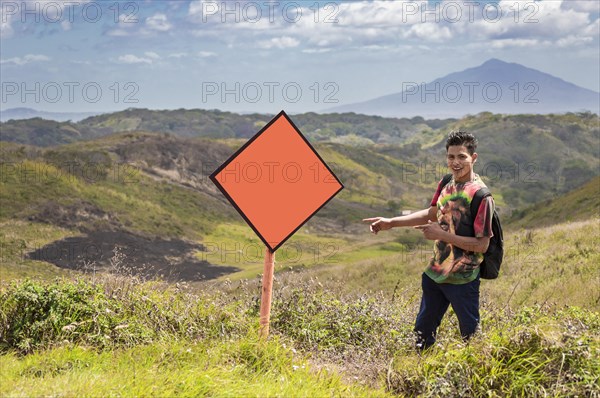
592, 29
118, 32
6, 19
195, 8
27, 59
582, 5
432, 32
207, 54
43, 12
571, 41
503, 43
132, 59
316, 50
178, 55
152, 55
279, 42
390, 24
158, 22
128, 26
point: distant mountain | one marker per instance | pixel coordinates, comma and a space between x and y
495, 86
29, 113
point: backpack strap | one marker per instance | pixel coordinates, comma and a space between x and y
447, 178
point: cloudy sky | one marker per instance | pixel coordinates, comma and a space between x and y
266, 56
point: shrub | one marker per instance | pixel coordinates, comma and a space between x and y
35, 315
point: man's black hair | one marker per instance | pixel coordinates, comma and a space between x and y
462, 138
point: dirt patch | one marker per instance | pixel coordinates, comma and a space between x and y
125, 253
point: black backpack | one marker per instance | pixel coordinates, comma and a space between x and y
492, 258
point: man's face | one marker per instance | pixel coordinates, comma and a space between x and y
460, 162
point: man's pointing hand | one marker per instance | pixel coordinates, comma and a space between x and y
378, 224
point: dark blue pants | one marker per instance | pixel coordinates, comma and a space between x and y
434, 303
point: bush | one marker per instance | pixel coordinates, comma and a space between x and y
34, 315
531, 352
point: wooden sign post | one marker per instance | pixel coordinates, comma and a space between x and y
266, 293
276, 181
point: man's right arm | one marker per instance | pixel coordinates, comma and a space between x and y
417, 218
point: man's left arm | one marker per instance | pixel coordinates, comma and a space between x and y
433, 231
482, 225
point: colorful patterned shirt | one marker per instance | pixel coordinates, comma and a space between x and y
451, 264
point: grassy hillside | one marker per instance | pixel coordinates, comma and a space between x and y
549, 265
117, 336
143, 186
580, 204
147, 186
41, 132
215, 124
409, 153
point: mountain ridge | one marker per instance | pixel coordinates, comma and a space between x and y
495, 85
30, 113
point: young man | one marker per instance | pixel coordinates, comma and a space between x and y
461, 238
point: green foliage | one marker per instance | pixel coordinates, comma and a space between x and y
317, 319
156, 183
34, 315
530, 352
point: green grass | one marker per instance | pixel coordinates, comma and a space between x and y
531, 352
118, 336
237, 245
344, 300
121, 337
241, 368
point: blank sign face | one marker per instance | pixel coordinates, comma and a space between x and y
277, 181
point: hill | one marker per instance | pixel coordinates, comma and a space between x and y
413, 146
72, 205
580, 204
42, 132
214, 124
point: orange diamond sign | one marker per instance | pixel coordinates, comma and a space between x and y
277, 181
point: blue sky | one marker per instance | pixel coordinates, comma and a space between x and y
264, 56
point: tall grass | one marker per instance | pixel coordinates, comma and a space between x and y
343, 329
56, 335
